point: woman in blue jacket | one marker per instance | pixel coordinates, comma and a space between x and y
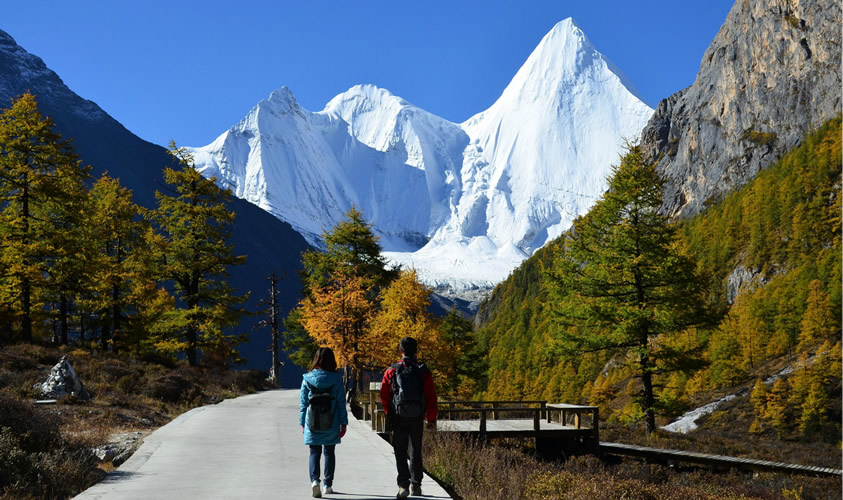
323, 377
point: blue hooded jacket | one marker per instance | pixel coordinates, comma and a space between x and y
323, 380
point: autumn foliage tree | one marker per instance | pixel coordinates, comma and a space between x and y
404, 313
341, 287
337, 315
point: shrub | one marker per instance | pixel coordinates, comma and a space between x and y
171, 388
35, 461
759, 138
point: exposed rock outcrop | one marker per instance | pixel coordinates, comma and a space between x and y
62, 382
120, 447
771, 74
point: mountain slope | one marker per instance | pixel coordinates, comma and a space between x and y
782, 229
771, 74
270, 244
463, 203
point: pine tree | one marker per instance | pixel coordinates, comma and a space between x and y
818, 322
776, 409
122, 260
620, 281
813, 415
758, 398
196, 253
69, 260
38, 171
350, 244
469, 365
298, 344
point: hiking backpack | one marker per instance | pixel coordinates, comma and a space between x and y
321, 414
408, 390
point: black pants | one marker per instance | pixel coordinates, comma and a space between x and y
408, 431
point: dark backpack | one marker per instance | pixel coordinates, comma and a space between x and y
321, 414
408, 390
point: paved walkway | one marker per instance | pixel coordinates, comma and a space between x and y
250, 447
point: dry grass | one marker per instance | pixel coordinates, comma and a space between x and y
45, 451
505, 472
726, 432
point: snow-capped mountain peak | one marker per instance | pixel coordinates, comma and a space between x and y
462, 203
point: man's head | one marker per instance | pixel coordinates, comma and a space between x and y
409, 346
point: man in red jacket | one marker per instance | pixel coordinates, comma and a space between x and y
408, 398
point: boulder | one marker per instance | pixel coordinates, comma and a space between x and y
62, 382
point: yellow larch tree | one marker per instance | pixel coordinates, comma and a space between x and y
337, 316
404, 313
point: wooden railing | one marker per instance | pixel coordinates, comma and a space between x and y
538, 410
576, 411
497, 407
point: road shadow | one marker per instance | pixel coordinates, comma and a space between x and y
364, 496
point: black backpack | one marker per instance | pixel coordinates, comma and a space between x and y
408, 390
321, 414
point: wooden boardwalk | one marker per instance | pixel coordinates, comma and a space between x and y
513, 428
561, 430
662, 454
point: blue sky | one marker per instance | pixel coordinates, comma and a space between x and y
188, 70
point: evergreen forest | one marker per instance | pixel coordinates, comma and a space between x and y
81, 262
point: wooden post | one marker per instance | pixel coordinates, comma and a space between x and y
483, 424
536, 417
596, 423
544, 409
494, 411
450, 413
577, 419
564, 417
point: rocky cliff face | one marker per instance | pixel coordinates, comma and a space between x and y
771, 74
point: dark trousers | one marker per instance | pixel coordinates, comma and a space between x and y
408, 431
330, 463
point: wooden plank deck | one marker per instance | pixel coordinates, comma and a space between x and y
513, 428
713, 460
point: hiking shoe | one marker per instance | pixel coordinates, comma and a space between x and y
415, 490
328, 490
317, 490
402, 493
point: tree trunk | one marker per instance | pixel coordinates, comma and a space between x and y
649, 399
190, 350
115, 299
26, 319
273, 312
63, 318
192, 333
115, 315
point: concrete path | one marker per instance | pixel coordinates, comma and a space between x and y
250, 447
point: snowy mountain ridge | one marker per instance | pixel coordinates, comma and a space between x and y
462, 203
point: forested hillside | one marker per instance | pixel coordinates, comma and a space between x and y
773, 251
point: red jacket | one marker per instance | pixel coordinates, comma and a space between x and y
431, 409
